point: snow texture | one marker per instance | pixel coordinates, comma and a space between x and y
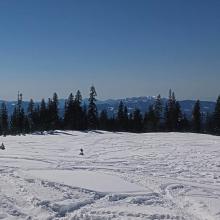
120, 176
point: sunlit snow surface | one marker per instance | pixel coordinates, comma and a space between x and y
120, 176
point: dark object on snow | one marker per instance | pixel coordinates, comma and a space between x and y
2, 147
81, 152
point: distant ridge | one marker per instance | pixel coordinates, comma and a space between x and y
143, 103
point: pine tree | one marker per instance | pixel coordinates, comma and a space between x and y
18, 117
26, 125
69, 114
158, 108
53, 113
4, 119
169, 109
126, 120
21, 121
172, 113
196, 117
84, 117
55, 104
216, 117
145, 122
30, 115
78, 98
152, 119
137, 121
14, 122
184, 123
36, 119
209, 123
43, 116
92, 110
103, 120
177, 117
120, 116
78, 111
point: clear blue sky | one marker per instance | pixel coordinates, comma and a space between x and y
124, 47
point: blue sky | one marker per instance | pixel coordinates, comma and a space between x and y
123, 47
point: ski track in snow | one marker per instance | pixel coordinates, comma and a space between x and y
180, 175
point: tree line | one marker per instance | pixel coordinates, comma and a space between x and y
79, 116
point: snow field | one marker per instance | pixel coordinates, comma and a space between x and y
121, 176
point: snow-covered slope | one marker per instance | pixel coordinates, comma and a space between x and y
120, 176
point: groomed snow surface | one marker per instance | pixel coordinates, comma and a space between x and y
120, 176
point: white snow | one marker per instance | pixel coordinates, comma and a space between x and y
88, 180
121, 176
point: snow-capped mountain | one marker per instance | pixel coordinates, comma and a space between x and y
143, 103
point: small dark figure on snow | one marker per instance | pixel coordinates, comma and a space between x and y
81, 152
2, 147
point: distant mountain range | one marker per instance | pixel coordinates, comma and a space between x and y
143, 103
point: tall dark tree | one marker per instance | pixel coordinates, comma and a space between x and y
169, 111
43, 116
145, 122
103, 120
209, 123
14, 122
120, 116
78, 111
177, 117
216, 117
84, 117
18, 117
92, 110
4, 119
69, 113
196, 117
30, 115
53, 112
126, 120
173, 114
137, 121
158, 109
152, 119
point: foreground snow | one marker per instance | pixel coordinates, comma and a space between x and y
121, 176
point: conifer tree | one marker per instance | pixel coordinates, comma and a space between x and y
53, 112
216, 117
152, 119
120, 116
18, 117
43, 116
69, 113
172, 113
4, 119
14, 122
78, 111
103, 120
84, 117
158, 108
169, 112
196, 117
21, 121
26, 125
92, 110
177, 117
137, 121
145, 122
126, 121
30, 115
209, 123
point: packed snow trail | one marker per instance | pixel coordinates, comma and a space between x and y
120, 176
